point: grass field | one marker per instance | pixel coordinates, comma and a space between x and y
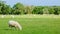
32, 24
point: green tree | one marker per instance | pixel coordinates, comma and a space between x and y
45, 11
51, 10
18, 8
1, 5
38, 10
56, 11
4, 8
29, 9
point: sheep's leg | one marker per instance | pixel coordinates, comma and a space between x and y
10, 27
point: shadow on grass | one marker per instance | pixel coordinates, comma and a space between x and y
6, 29
11, 29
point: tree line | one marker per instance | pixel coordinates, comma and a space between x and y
19, 8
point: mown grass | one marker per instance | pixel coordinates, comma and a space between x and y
32, 26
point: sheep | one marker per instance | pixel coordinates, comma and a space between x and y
15, 24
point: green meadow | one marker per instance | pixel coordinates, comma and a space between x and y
31, 24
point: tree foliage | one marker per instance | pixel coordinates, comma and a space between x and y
19, 8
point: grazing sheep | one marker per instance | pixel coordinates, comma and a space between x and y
14, 24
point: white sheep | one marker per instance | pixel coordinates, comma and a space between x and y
15, 24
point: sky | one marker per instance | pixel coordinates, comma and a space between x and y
34, 2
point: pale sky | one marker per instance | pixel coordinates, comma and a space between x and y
34, 2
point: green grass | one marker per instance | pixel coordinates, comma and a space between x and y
32, 26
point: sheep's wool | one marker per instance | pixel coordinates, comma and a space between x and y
15, 23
